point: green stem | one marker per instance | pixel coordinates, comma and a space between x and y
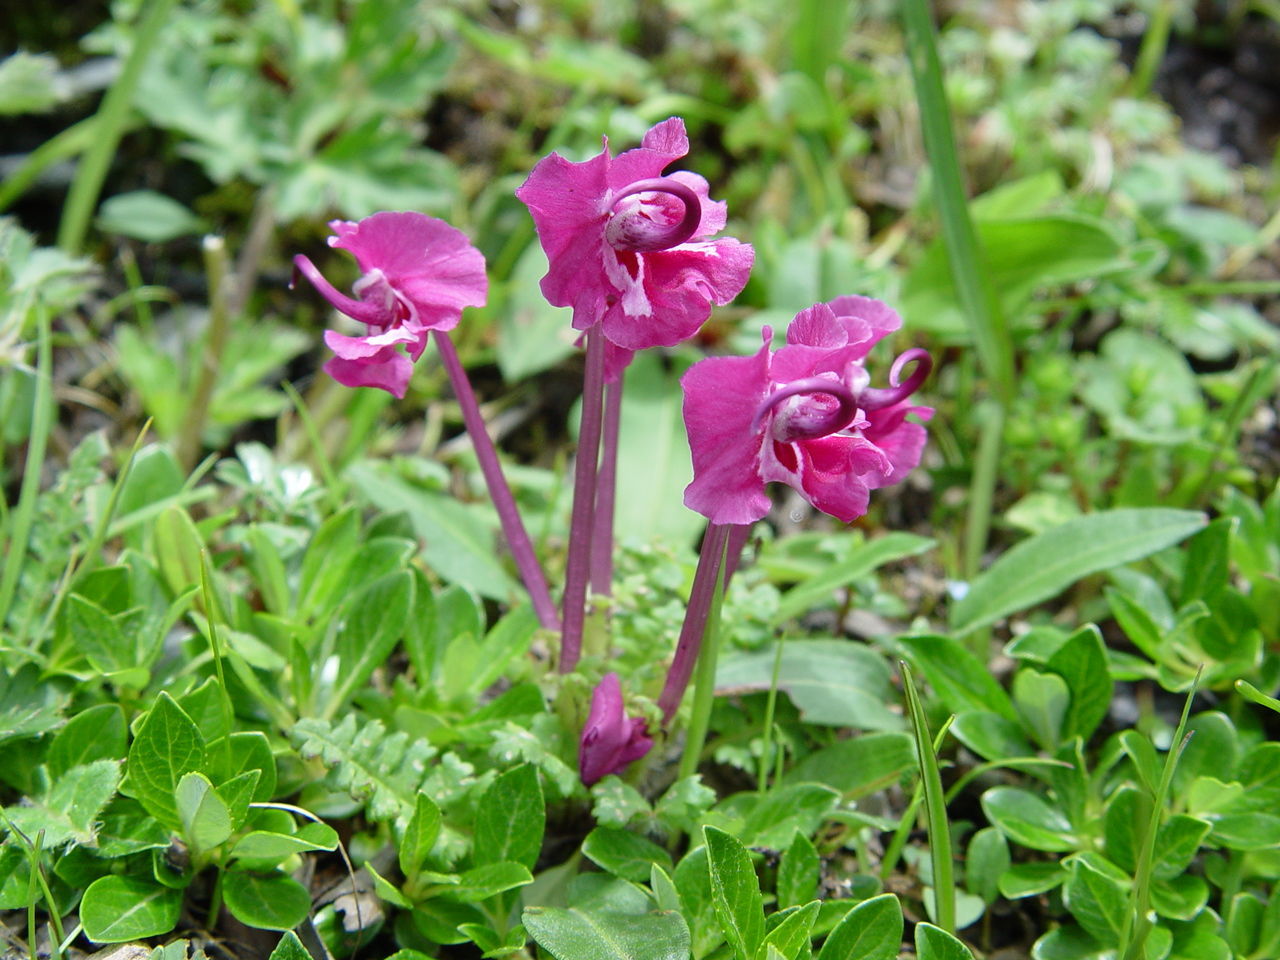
704, 692
767, 747
23, 517
109, 125
215, 646
69, 142
982, 487
191, 434
1154, 43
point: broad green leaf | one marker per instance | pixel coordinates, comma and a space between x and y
148, 216
832, 682
798, 872
858, 766
511, 818
624, 854
785, 809
791, 936
535, 335
116, 909
862, 560
371, 623
735, 892
264, 845
1081, 661
1042, 699
268, 901
987, 859
1044, 565
290, 948
481, 883
1025, 818
957, 676
325, 564
70, 811
419, 836
1097, 900
29, 705
168, 747
98, 636
872, 930
934, 943
206, 821
575, 934
458, 538
237, 793
991, 736
653, 455
1029, 879
471, 667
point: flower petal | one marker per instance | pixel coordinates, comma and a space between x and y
391, 372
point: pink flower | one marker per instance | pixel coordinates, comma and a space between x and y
805, 415
610, 739
417, 275
630, 249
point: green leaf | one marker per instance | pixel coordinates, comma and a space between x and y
1029, 879
29, 706
934, 943
798, 872
861, 561
957, 676
458, 537
206, 821
872, 930
69, 812
419, 836
470, 668
116, 909
1081, 661
290, 948
481, 883
511, 819
1097, 900
735, 892
859, 766
268, 901
535, 336
1044, 565
265, 845
832, 682
575, 934
326, 562
1042, 699
148, 216
1025, 818
624, 854
653, 455
792, 935
30, 83
785, 809
371, 622
991, 736
616, 803
987, 859
167, 747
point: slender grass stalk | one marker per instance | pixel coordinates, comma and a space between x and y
190, 435
974, 289
215, 646
23, 516
694, 628
109, 125
33, 932
582, 520
535, 582
704, 691
766, 747
982, 486
83, 558
333, 486
606, 493
1137, 920
944, 887
1154, 43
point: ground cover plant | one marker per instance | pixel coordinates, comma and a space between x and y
833, 516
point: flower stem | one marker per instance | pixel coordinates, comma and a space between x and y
508, 514
578, 564
606, 493
705, 581
704, 693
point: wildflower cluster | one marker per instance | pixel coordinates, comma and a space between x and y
635, 253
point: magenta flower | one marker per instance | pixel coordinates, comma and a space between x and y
805, 416
630, 249
610, 739
418, 273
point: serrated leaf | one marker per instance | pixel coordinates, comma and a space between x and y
69, 812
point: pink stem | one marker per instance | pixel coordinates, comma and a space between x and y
578, 564
695, 620
606, 493
508, 514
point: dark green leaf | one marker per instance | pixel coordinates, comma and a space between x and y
735, 891
872, 930
624, 854
168, 747
116, 909
575, 934
511, 818
268, 901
